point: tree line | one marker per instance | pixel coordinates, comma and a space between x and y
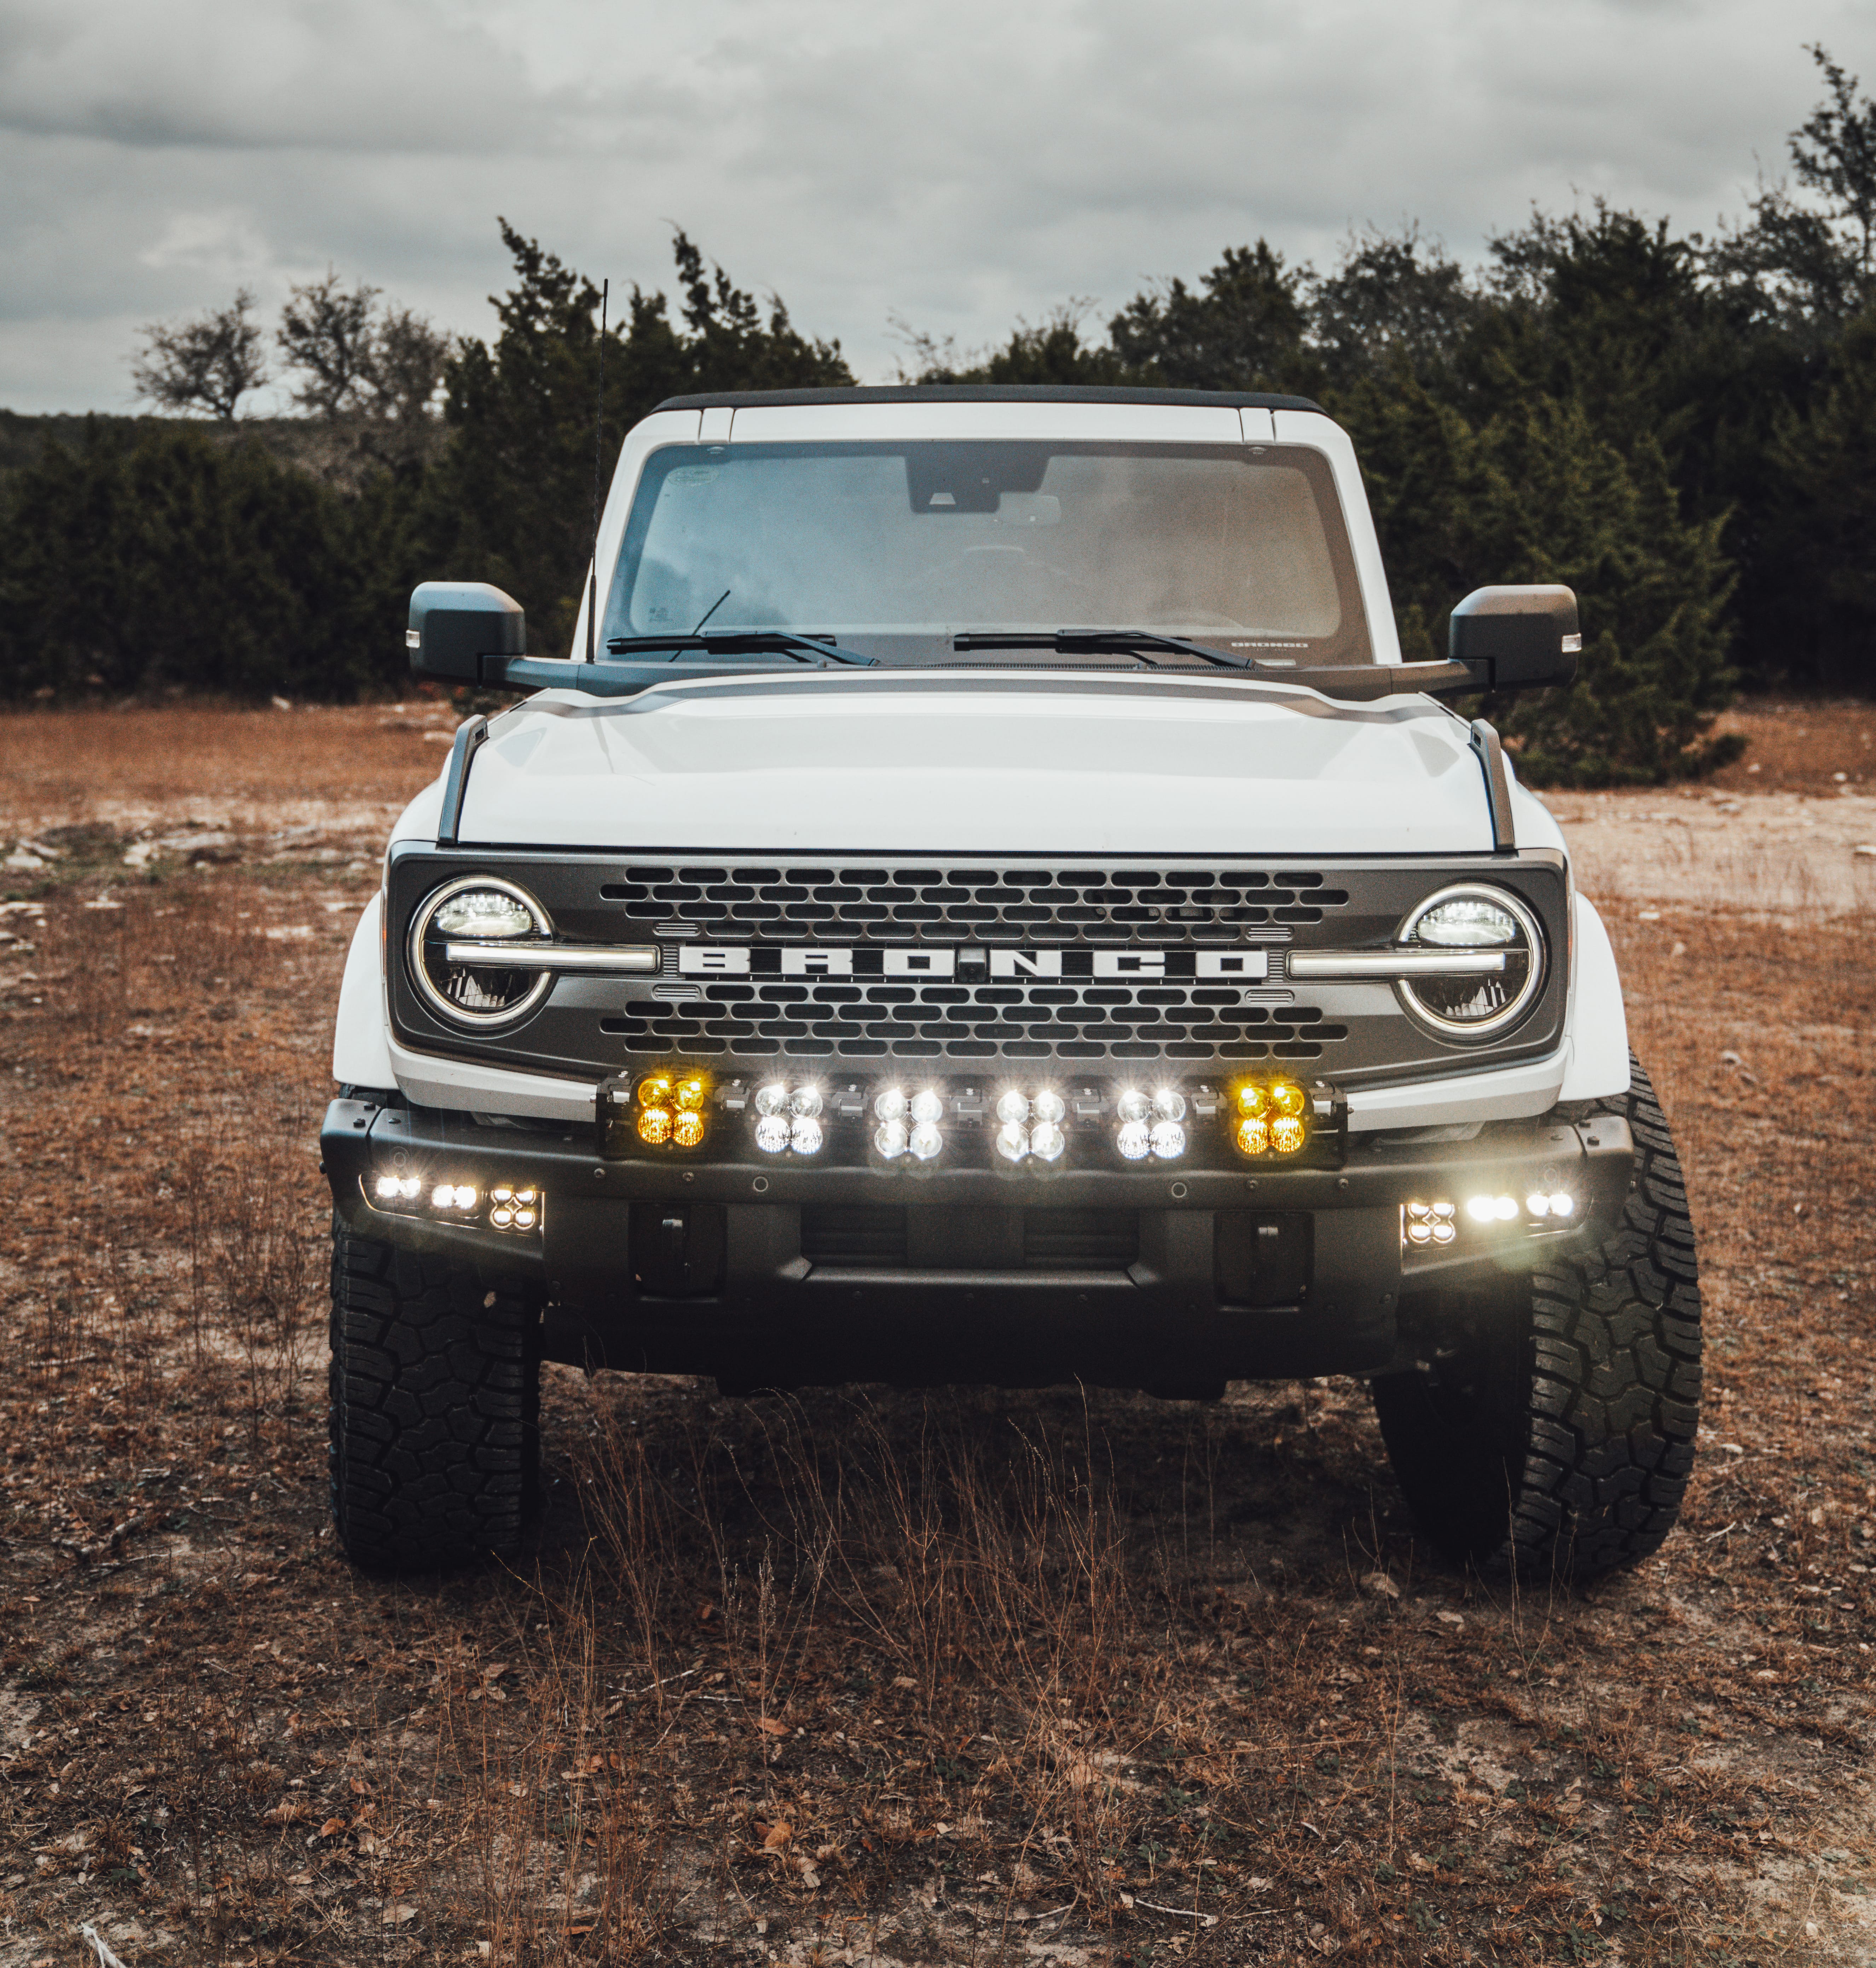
1681, 427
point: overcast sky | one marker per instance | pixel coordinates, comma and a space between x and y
957, 166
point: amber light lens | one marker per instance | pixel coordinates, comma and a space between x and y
691, 1093
687, 1131
1286, 1097
655, 1126
1252, 1100
1253, 1136
1287, 1134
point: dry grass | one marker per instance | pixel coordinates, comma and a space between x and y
875, 1676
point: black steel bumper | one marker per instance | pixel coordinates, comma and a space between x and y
780, 1274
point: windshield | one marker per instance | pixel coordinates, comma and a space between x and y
894, 548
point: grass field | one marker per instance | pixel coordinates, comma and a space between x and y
869, 1676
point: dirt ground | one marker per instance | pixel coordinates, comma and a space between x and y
868, 1676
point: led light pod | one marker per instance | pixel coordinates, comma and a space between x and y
1012, 1107
1168, 1104
1253, 1136
772, 1098
1132, 1105
928, 1105
891, 1105
1286, 1097
805, 1136
1287, 1135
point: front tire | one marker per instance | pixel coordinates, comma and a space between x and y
434, 1409
1552, 1434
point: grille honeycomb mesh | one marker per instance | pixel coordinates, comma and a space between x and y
967, 1018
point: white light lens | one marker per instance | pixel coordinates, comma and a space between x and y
1443, 1233
1506, 1209
805, 1136
1467, 922
891, 1105
484, 913
1444, 1209
1168, 1104
443, 1195
889, 1138
389, 1187
465, 1196
1134, 1140
503, 1195
1013, 1141
1562, 1204
1480, 1209
1169, 1140
1050, 1106
1419, 1233
806, 1101
1132, 1105
772, 1098
408, 1187
928, 1105
1539, 1205
524, 1219
1012, 1106
771, 1134
501, 1216
925, 1141
1046, 1141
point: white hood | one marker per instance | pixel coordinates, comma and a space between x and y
913, 763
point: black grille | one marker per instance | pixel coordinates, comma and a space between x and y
875, 1236
973, 1017
985, 904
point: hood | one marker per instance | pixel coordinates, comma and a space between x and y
920, 762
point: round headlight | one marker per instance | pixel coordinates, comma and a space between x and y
1478, 998
492, 990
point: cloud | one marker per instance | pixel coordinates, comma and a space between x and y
958, 165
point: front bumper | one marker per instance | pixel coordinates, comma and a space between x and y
781, 1273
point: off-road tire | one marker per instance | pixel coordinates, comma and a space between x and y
435, 1394
1552, 1433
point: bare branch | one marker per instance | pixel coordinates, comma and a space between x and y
206, 362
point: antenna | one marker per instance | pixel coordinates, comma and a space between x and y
599, 440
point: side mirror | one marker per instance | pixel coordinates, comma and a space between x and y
1522, 638
455, 624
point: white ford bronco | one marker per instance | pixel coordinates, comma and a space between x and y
985, 900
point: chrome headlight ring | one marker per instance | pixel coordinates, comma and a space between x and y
1520, 994
468, 1017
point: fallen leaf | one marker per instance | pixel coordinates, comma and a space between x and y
904, 1681
331, 1827
1381, 1585
396, 1916
777, 1836
361, 1787
770, 1727
289, 1810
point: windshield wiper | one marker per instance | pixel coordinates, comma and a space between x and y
1068, 642
742, 642
1360, 683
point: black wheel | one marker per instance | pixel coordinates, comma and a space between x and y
1552, 1434
435, 1408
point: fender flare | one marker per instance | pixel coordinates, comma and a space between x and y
1597, 1029
361, 1053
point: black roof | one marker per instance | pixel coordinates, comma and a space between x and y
986, 392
